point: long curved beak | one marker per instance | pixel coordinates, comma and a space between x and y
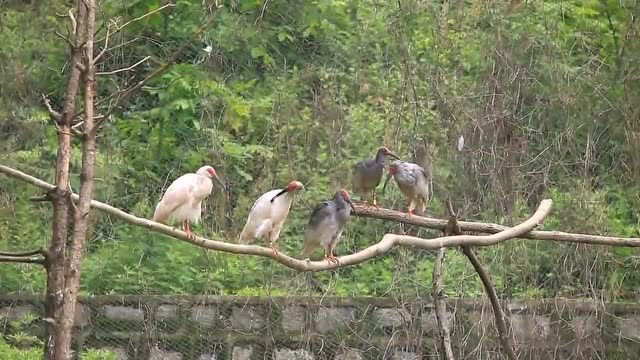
353, 207
224, 188
386, 181
393, 155
284, 191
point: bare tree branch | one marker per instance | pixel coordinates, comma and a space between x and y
54, 114
501, 325
489, 228
387, 242
140, 18
22, 253
66, 39
386, 214
124, 94
123, 69
104, 49
22, 259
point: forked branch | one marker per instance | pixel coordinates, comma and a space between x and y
489, 228
26, 257
387, 242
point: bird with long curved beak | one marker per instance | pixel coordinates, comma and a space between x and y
367, 174
182, 202
268, 214
326, 225
413, 181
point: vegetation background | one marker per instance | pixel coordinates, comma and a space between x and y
545, 93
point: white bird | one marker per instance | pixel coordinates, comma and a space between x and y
460, 143
268, 214
182, 202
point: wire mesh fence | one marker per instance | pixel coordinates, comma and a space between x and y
282, 328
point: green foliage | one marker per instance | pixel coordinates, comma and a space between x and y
542, 91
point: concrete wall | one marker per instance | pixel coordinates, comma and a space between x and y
239, 328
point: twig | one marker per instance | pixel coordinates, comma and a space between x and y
388, 241
74, 24
66, 39
264, 7
124, 94
104, 50
123, 69
54, 114
141, 17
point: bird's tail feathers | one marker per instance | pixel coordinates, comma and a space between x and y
161, 214
245, 238
307, 250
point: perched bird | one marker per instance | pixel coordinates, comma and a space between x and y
326, 224
182, 202
368, 173
414, 182
268, 214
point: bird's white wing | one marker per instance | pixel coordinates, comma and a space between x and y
260, 211
177, 194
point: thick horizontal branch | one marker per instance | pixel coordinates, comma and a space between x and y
22, 259
489, 228
21, 253
387, 242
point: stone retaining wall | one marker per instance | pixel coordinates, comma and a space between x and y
242, 328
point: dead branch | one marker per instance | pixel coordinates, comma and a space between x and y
489, 228
54, 114
104, 49
22, 259
140, 18
22, 253
387, 242
126, 93
123, 69
501, 325
65, 38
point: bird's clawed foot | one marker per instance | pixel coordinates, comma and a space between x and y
410, 213
273, 248
190, 234
332, 259
187, 229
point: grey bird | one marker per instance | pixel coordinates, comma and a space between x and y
414, 182
368, 173
326, 224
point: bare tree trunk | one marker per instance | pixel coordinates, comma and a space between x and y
55, 254
82, 210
